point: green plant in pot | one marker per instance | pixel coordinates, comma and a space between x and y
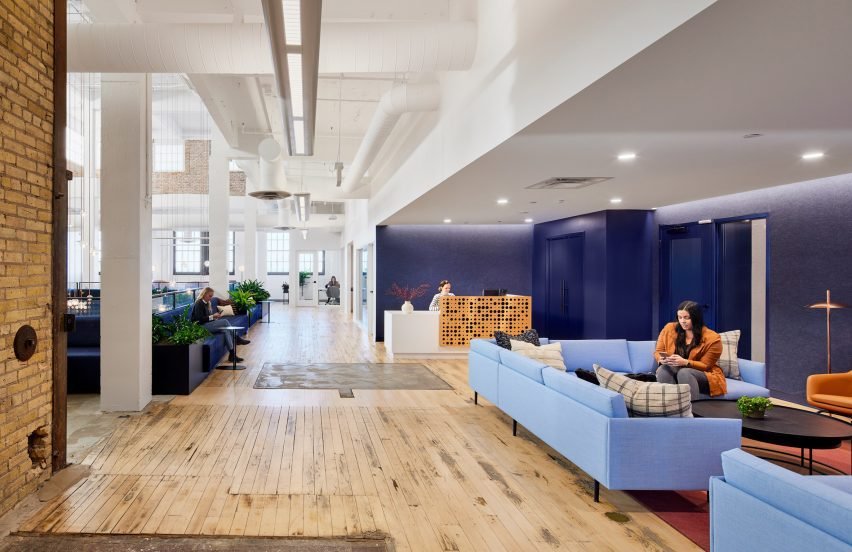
185, 331
160, 331
255, 289
303, 276
753, 407
242, 301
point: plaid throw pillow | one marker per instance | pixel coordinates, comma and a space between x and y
728, 361
647, 400
530, 336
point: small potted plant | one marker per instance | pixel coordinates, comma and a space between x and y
407, 294
753, 407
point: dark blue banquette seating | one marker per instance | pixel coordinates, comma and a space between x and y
84, 347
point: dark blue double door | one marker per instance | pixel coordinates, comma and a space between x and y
711, 265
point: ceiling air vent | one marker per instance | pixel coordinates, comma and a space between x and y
568, 182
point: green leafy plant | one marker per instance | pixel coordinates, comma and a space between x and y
241, 300
255, 289
185, 331
304, 276
160, 331
753, 406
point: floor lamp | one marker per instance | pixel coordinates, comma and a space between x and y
828, 306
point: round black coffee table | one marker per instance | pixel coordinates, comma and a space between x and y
784, 426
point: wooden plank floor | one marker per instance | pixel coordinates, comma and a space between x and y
427, 468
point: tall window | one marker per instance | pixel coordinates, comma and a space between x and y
277, 253
321, 262
189, 252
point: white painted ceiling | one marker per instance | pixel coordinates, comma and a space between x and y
683, 105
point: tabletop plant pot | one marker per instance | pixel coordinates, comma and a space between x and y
754, 407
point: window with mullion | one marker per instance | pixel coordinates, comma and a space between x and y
277, 253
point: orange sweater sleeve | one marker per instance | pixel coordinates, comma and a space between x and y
664, 342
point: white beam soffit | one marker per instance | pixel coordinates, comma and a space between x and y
243, 48
295, 60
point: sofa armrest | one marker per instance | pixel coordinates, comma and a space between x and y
752, 372
669, 453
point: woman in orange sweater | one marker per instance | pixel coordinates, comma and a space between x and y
688, 352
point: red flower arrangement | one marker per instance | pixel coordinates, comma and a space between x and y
407, 293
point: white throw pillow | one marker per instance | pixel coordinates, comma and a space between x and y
550, 354
728, 361
227, 310
647, 399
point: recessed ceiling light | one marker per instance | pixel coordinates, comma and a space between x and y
752, 135
502, 201
615, 200
447, 221
626, 156
528, 220
811, 155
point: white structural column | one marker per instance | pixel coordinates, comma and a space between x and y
250, 237
219, 189
126, 242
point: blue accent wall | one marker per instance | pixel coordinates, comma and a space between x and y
616, 272
471, 257
809, 235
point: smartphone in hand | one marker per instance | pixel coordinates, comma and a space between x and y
663, 354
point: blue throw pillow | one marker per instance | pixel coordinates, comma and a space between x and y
529, 336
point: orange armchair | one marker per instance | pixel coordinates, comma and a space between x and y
831, 392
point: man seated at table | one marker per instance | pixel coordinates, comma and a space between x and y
202, 312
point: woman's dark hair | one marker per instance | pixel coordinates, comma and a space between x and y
442, 284
696, 315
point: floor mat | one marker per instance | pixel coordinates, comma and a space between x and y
142, 543
689, 511
347, 376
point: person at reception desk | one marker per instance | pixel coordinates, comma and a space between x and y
443, 291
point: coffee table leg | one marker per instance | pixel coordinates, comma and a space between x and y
803, 457
810, 461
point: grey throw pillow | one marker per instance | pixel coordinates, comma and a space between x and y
504, 340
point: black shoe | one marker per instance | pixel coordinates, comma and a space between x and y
242, 341
234, 358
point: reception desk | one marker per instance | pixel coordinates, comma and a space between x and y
447, 334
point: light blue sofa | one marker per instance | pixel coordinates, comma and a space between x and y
618, 355
589, 425
760, 506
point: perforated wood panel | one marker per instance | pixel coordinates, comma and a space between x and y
465, 318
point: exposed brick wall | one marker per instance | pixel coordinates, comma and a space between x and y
26, 141
193, 180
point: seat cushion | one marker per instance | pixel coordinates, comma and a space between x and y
833, 400
739, 388
585, 353
648, 400
550, 354
606, 402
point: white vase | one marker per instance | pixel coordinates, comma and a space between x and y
407, 307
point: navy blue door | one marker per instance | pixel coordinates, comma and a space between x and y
565, 287
733, 290
687, 270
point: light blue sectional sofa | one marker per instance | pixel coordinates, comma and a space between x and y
589, 425
760, 506
618, 355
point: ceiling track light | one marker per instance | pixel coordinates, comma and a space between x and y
293, 27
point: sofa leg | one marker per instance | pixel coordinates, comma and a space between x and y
514, 428
597, 491
475, 397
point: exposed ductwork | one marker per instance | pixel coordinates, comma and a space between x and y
395, 103
243, 48
271, 178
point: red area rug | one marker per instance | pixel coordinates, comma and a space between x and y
689, 511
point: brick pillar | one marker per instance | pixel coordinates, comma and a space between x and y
126, 236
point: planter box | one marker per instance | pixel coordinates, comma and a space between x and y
177, 369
